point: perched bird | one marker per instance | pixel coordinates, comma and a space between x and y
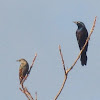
23, 69
81, 35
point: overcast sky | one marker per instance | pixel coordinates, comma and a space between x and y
40, 26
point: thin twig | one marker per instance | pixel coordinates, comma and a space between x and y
67, 71
35, 95
27, 96
62, 59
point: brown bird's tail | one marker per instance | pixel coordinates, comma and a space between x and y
83, 58
21, 79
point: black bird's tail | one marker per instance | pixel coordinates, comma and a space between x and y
83, 58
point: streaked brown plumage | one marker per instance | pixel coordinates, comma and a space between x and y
23, 69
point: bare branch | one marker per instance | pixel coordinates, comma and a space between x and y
61, 87
25, 93
64, 72
67, 71
28, 93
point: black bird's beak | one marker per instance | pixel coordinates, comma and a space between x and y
75, 22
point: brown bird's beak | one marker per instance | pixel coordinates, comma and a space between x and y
75, 22
17, 60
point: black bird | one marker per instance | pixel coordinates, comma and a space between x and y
81, 35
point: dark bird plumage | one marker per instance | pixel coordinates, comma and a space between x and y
23, 69
81, 35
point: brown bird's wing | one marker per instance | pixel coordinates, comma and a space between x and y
23, 71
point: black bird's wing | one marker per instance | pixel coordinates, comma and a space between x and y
82, 35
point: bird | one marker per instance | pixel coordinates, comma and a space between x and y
81, 35
23, 69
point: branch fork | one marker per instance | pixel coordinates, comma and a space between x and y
66, 71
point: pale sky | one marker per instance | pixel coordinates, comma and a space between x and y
39, 26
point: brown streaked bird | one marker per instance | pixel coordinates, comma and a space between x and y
23, 69
82, 34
